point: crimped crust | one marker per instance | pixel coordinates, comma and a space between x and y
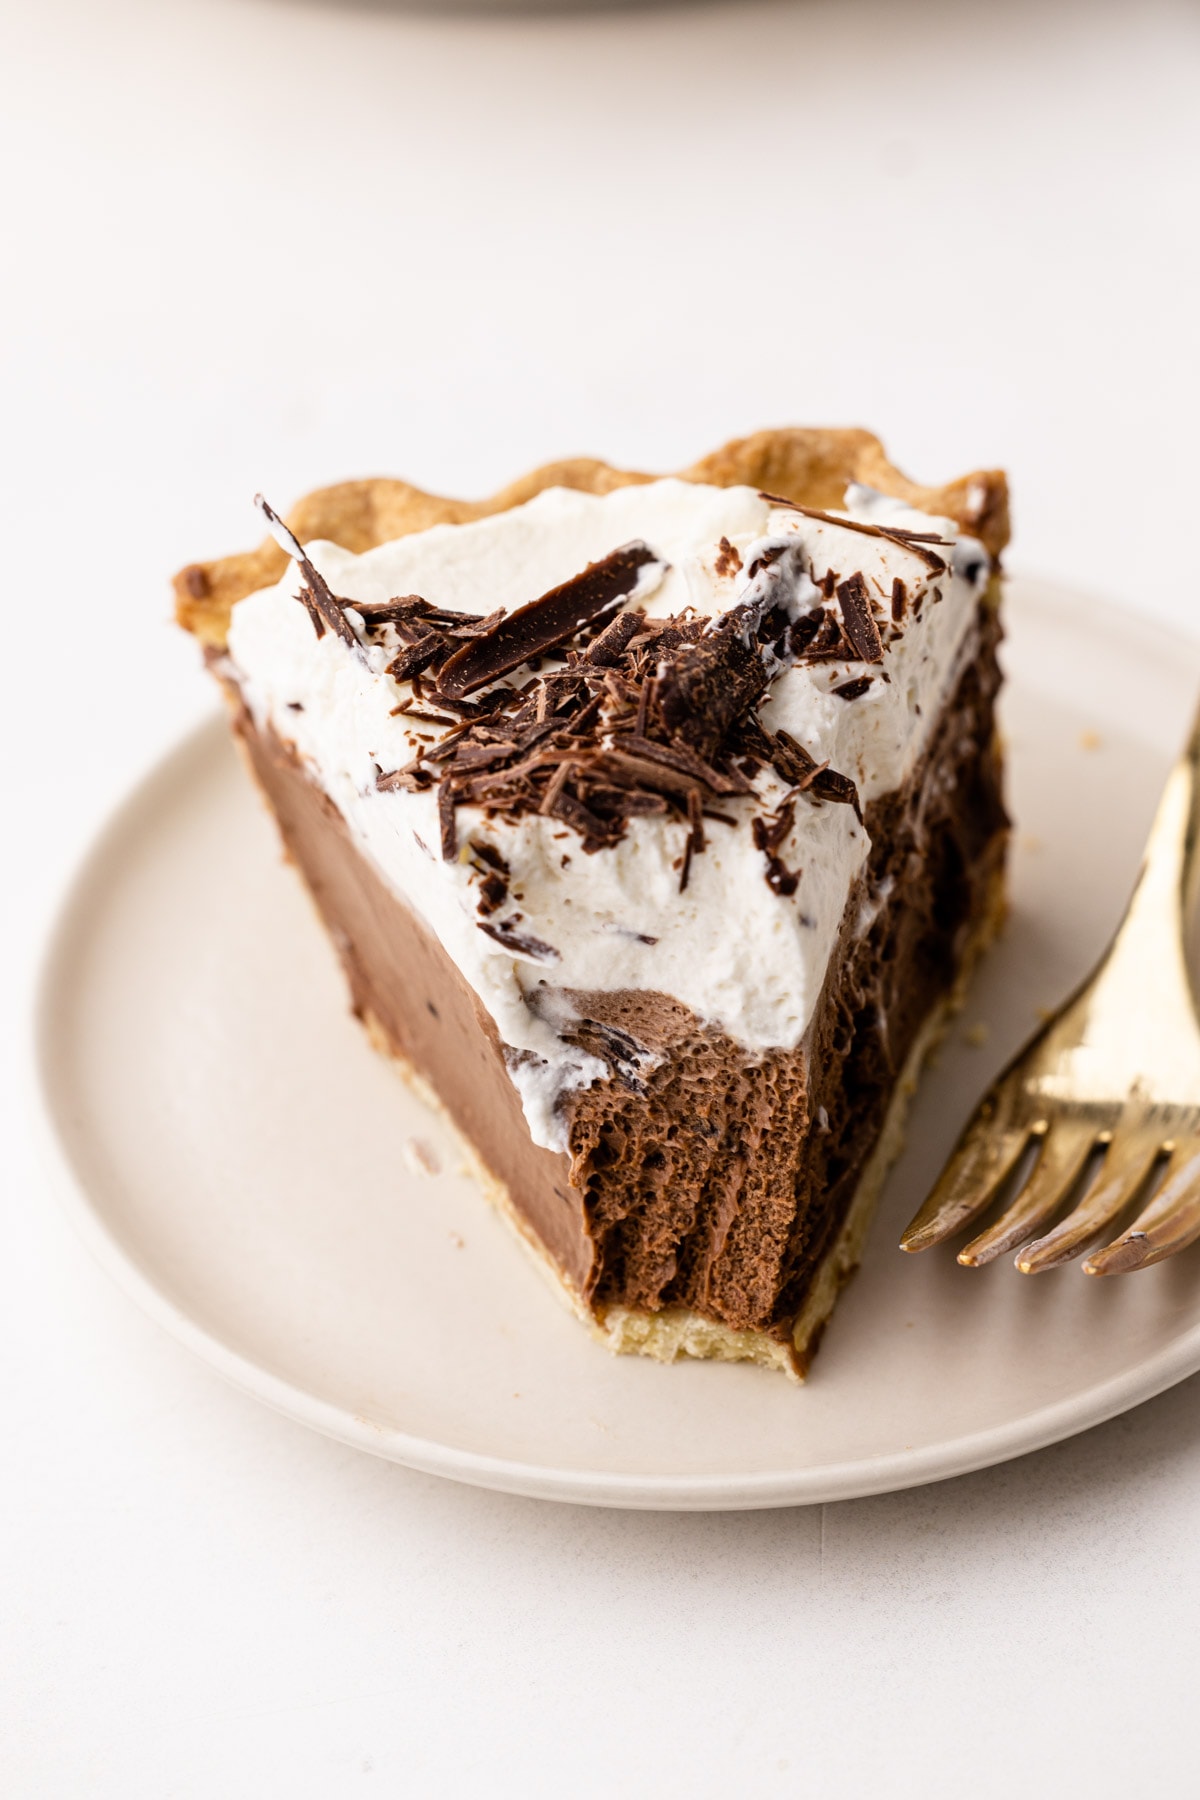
809, 465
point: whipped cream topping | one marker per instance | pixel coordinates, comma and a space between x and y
737, 953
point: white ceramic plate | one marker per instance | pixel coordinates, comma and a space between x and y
246, 1166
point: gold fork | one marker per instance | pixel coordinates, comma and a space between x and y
1102, 1107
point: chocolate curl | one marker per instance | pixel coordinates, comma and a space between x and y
324, 608
546, 622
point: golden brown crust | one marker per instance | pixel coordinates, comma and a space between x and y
811, 466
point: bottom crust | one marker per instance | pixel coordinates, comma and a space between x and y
678, 1331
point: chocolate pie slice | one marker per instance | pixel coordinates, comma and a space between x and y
657, 824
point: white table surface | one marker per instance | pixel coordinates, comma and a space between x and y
266, 243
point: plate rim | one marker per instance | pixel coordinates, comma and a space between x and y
860, 1478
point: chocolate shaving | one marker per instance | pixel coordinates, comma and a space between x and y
482, 756
899, 600
582, 720
696, 820
478, 628
416, 657
913, 541
558, 782
780, 879
313, 611
608, 649
391, 612
791, 761
859, 621
852, 690
493, 892
447, 822
648, 692
728, 560
769, 833
407, 710
522, 943
597, 833
546, 622
489, 854
684, 864
804, 631
316, 593
413, 778
826, 518
929, 557
324, 609
685, 762
467, 709
827, 784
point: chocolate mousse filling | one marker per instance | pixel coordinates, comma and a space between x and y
701, 1177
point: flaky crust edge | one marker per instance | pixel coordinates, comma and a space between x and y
810, 465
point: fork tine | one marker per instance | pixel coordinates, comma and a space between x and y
1171, 1221
1126, 1167
1067, 1148
983, 1161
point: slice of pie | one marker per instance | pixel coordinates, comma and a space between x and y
657, 824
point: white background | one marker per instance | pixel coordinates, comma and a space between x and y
272, 243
